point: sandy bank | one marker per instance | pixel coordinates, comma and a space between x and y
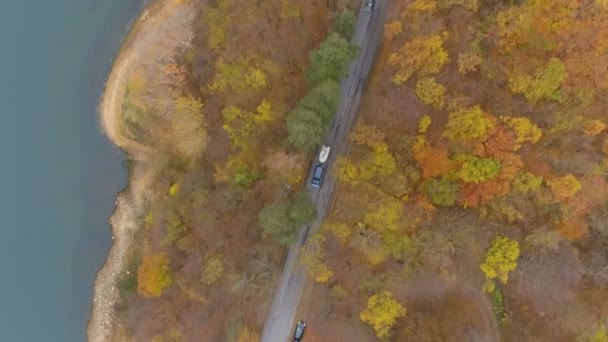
130, 202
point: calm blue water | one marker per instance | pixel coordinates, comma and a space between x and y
59, 175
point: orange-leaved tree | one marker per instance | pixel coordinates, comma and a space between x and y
153, 275
564, 187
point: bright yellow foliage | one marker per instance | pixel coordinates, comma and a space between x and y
424, 124
312, 258
264, 113
601, 334
347, 170
544, 84
423, 56
173, 189
430, 92
525, 131
564, 187
385, 215
380, 162
237, 76
153, 275
256, 78
382, 313
467, 124
501, 258
244, 127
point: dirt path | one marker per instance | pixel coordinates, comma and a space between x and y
131, 202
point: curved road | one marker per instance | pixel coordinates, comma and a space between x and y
368, 36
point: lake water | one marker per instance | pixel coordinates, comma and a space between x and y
60, 175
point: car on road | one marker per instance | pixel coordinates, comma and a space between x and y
299, 333
369, 6
317, 175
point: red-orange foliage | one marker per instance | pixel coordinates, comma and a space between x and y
573, 229
592, 194
500, 139
433, 161
575, 30
474, 195
511, 164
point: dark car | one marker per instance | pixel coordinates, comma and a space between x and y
369, 6
297, 336
317, 175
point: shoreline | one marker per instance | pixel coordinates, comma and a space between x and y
102, 318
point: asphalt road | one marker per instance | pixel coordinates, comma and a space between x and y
368, 36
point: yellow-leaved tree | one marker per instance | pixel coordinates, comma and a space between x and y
423, 56
312, 258
525, 131
431, 92
382, 313
467, 124
153, 275
501, 258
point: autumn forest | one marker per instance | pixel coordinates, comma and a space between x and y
471, 200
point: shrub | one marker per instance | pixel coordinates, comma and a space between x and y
441, 191
430, 92
212, 270
478, 170
153, 275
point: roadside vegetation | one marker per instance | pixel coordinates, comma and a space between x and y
225, 107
